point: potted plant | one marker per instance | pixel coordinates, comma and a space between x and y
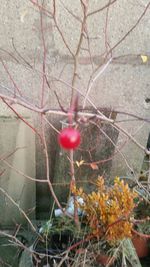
58, 235
108, 218
108, 213
141, 230
54, 237
104, 233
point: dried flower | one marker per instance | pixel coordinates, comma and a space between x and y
108, 210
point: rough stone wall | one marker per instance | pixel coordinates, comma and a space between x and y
124, 85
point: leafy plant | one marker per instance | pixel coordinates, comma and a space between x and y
108, 210
141, 215
58, 225
143, 227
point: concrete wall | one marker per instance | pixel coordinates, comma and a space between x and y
123, 86
17, 148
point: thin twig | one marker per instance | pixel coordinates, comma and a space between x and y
93, 80
19, 208
47, 168
131, 29
101, 9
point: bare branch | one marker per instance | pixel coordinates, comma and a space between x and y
102, 8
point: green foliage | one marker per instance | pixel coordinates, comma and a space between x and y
63, 224
144, 227
141, 214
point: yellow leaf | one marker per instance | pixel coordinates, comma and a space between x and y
23, 14
79, 163
144, 58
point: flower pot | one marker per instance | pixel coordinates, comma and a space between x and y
140, 242
105, 260
50, 250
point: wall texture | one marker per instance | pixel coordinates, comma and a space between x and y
120, 31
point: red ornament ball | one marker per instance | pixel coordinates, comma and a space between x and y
69, 138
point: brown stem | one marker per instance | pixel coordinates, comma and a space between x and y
16, 88
74, 246
101, 9
19, 208
72, 184
131, 29
83, 30
44, 59
140, 234
47, 168
23, 119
